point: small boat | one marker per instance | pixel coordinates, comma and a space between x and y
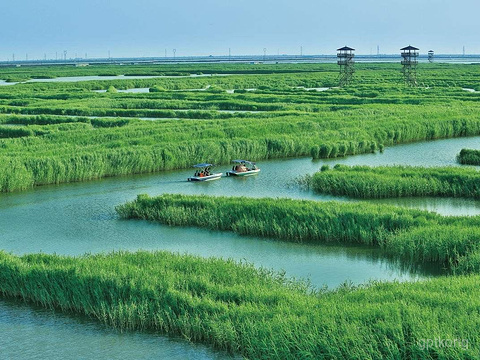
204, 173
243, 168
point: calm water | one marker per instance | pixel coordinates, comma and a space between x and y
133, 91
78, 218
30, 332
5, 83
100, 78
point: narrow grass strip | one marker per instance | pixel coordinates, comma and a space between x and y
408, 234
396, 181
253, 312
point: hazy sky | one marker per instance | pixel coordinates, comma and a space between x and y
204, 27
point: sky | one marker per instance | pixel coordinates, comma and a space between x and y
35, 29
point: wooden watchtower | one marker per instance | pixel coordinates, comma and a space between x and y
345, 57
409, 63
430, 55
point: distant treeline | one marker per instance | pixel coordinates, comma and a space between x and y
461, 75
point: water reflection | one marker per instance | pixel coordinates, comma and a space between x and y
31, 332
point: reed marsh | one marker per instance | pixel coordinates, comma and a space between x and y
102, 135
66, 132
407, 234
469, 157
395, 181
252, 312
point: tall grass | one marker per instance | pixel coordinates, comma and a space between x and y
124, 147
292, 122
443, 244
294, 220
444, 240
252, 312
396, 181
469, 157
14, 132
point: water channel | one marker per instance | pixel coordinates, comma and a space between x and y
80, 218
109, 77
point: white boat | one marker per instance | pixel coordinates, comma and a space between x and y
204, 173
243, 168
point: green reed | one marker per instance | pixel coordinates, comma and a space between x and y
443, 240
469, 157
252, 312
396, 181
283, 119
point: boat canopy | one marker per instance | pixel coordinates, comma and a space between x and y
243, 161
202, 165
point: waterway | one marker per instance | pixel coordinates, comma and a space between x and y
113, 77
77, 218
30, 332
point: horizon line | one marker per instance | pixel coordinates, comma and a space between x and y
232, 58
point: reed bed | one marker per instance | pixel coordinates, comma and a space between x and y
233, 306
111, 147
396, 181
395, 230
253, 312
287, 121
469, 157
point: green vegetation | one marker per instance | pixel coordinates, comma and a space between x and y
14, 132
395, 181
469, 157
277, 119
64, 131
111, 89
252, 312
407, 234
172, 70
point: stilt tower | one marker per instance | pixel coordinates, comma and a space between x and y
409, 63
430, 55
345, 57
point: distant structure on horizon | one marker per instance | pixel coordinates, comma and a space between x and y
345, 60
409, 55
430, 55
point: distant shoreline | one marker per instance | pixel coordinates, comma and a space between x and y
267, 59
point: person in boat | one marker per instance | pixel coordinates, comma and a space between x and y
240, 168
